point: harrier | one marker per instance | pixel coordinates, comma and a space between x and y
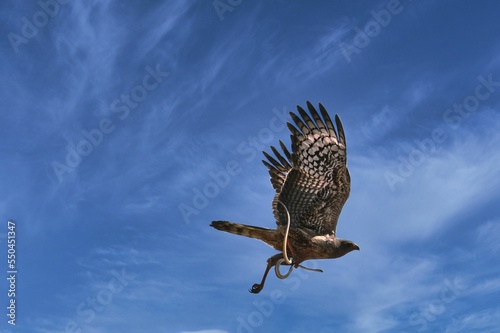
312, 184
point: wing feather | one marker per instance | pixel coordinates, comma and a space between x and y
284, 162
287, 153
295, 132
299, 123
319, 122
328, 121
313, 181
310, 124
340, 130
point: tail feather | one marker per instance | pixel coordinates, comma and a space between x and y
268, 236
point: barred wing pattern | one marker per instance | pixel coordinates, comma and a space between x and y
313, 181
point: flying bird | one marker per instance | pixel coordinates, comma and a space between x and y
312, 184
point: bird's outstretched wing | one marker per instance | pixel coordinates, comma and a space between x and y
313, 181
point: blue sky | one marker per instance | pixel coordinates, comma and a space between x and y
128, 127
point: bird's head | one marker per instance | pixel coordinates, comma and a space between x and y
345, 246
335, 247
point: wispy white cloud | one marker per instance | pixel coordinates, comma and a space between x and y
486, 286
317, 56
483, 321
488, 234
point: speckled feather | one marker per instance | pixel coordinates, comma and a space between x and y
313, 181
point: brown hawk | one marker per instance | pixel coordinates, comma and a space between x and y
312, 184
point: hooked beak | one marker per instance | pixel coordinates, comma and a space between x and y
356, 247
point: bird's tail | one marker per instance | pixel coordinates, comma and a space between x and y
268, 236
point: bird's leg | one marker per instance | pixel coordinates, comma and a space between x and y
256, 288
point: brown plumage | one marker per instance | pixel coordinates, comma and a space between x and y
312, 184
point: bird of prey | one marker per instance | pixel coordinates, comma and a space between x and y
312, 184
